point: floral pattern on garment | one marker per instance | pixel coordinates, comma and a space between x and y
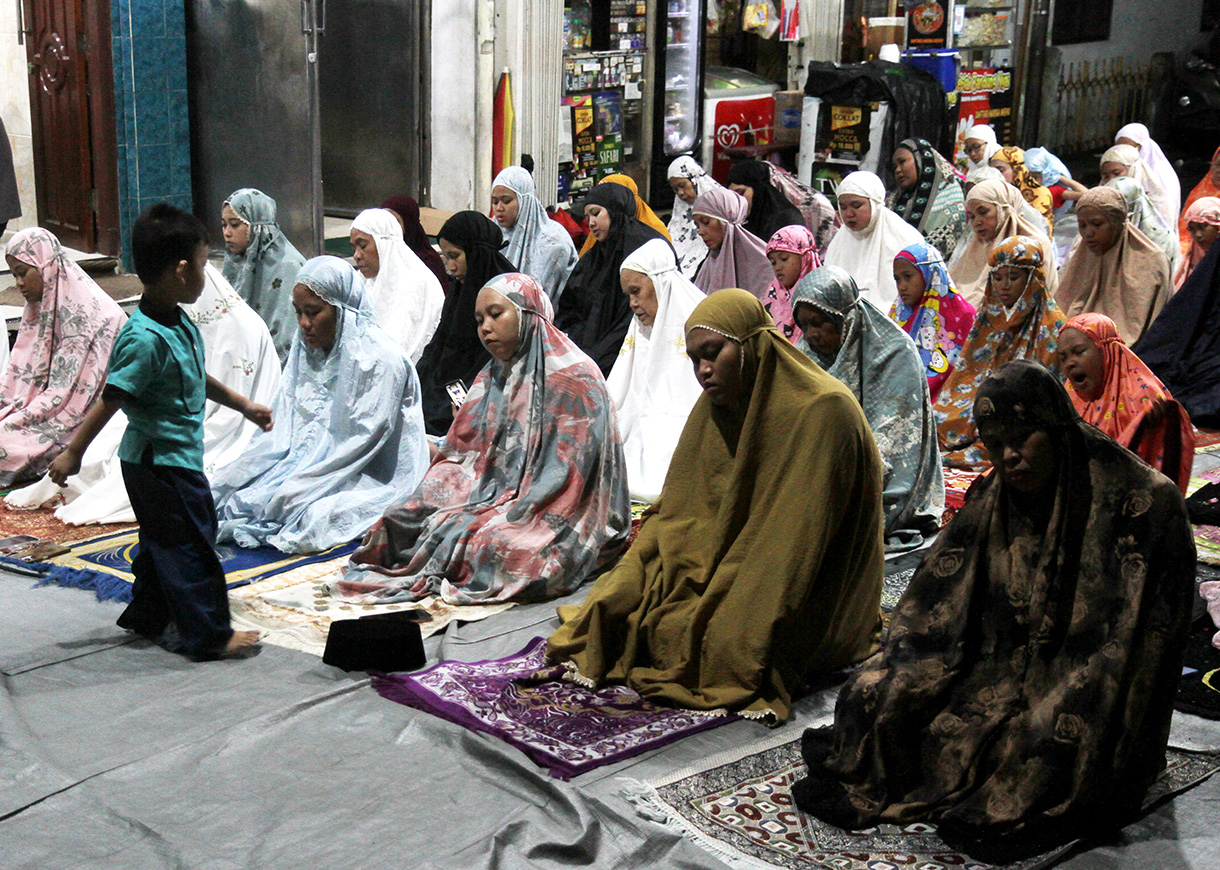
1028, 330
820, 216
58, 364
939, 323
778, 298
1130, 391
1026, 688
682, 229
1031, 189
264, 274
527, 497
880, 365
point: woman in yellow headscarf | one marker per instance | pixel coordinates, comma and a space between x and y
730, 597
642, 211
1010, 161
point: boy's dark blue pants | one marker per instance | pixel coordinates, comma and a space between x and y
178, 577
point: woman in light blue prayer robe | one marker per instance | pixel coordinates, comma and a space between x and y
537, 245
348, 441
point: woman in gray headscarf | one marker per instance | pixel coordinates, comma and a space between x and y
852, 339
855, 342
537, 245
261, 263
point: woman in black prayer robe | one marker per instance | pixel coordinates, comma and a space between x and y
470, 244
1025, 690
770, 210
1182, 346
593, 309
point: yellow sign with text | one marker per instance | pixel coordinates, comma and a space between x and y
845, 116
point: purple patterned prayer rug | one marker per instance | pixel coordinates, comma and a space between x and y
739, 806
559, 724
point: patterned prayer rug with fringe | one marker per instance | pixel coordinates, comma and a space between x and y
739, 807
102, 563
43, 524
560, 725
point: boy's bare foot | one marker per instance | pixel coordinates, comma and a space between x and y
241, 640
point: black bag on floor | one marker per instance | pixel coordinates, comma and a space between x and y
381, 642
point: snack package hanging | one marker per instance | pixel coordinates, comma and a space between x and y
760, 18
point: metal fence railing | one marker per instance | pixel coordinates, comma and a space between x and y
1095, 98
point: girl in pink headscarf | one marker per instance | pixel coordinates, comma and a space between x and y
1202, 219
793, 255
58, 366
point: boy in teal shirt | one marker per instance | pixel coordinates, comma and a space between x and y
157, 377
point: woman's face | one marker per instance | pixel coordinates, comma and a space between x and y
236, 232
1112, 170
29, 279
822, 333
717, 363
1081, 363
1023, 457
641, 295
1097, 232
787, 267
317, 318
504, 205
454, 259
498, 322
856, 211
747, 193
1203, 233
984, 219
1009, 283
909, 279
1123, 140
364, 252
710, 230
599, 221
906, 173
1005, 168
974, 149
684, 189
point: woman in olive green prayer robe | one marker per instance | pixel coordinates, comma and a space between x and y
761, 563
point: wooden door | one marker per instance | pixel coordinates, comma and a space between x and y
56, 48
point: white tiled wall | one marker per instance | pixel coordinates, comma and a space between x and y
15, 110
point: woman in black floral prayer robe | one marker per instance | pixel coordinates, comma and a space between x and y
1025, 691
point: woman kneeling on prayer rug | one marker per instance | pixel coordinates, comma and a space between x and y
527, 496
761, 563
1024, 694
349, 428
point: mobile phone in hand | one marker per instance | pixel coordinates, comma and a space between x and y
457, 392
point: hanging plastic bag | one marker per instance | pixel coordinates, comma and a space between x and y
712, 17
760, 17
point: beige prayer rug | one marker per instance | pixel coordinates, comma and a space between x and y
294, 610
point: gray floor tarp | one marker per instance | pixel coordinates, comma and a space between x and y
117, 754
